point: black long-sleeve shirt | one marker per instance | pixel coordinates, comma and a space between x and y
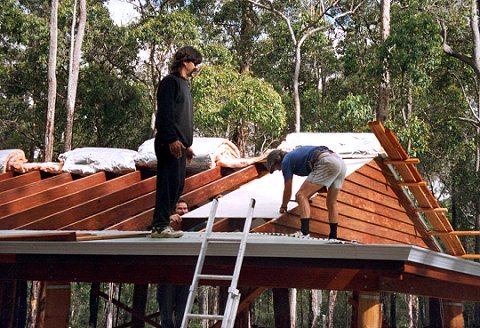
174, 119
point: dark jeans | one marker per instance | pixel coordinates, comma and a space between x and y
170, 182
172, 300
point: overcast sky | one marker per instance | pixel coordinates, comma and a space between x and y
121, 11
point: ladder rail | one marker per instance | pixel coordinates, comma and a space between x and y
233, 299
199, 266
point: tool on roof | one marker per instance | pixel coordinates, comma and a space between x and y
233, 298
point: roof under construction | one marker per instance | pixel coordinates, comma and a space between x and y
95, 228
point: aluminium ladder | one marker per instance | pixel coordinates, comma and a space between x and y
233, 298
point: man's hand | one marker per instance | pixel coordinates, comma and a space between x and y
190, 154
283, 209
176, 148
175, 218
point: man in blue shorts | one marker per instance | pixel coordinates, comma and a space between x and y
322, 167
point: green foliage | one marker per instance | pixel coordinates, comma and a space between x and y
414, 46
110, 119
166, 29
228, 103
354, 113
414, 136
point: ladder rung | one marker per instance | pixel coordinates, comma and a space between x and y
431, 210
205, 316
214, 277
412, 184
402, 162
224, 239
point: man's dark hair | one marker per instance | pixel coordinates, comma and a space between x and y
182, 200
185, 54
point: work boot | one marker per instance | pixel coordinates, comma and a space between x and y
333, 231
305, 226
166, 232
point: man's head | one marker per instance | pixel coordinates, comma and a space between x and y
182, 207
274, 160
187, 58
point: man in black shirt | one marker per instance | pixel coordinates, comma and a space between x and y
174, 124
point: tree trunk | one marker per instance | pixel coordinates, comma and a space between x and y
281, 307
153, 90
246, 35
93, 306
52, 82
296, 92
412, 302
139, 305
332, 301
316, 308
393, 310
74, 70
111, 310
37, 304
383, 105
434, 314
203, 302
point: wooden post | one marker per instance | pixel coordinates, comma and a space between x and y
369, 310
281, 307
57, 304
452, 314
7, 302
140, 292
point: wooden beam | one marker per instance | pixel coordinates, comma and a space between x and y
57, 304
49, 236
201, 179
471, 256
232, 181
122, 211
369, 310
454, 233
19, 180
142, 221
114, 236
441, 275
6, 175
412, 184
431, 210
23, 206
402, 162
34, 187
128, 309
452, 314
111, 194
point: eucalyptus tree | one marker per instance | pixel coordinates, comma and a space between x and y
74, 68
304, 19
23, 75
384, 87
162, 26
471, 58
52, 81
238, 107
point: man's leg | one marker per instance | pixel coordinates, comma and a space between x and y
303, 196
332, 195
165, 297
181, 297
170, 182
166, 187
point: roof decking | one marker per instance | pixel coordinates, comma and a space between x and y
270, 261
374, 210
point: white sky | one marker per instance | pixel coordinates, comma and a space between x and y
121, 12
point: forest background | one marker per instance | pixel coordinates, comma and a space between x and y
271, 67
